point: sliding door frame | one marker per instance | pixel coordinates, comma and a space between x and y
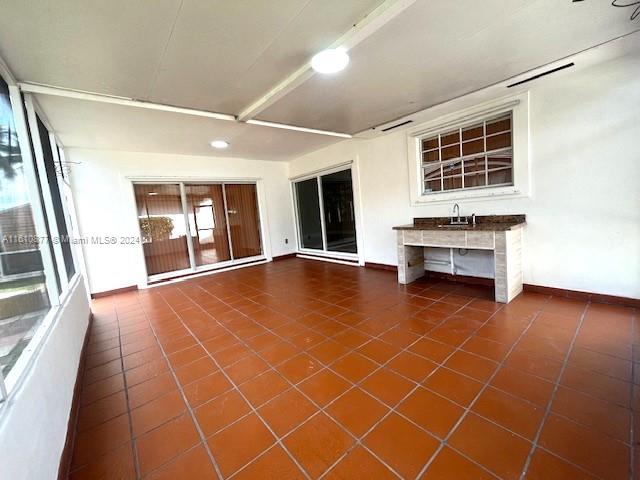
146, 279
318, 174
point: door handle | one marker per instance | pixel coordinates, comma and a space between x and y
232, 212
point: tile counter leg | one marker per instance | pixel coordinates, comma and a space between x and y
410, 261
508, 265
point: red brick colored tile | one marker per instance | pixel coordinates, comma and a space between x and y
356, 411
165, 443
388, 340
115, 464
601, 415
275, 464
449, 464
378, 351
194, 463
387, 386
221, 411
238, 444
298, 368
264, 387
454, 386
151, 389
324, 387
520, 384
359, 464
354, 367
431, 411
497, 449
546, 466
287, 411
597, 454
317, 444
401, 445
412, 366
102, 410
206, 388
156, 412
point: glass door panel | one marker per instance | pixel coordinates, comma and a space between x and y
162, 226
309, 220
244, 220
339, 216
207, 223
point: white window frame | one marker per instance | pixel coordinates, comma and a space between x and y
10, 383
449, 119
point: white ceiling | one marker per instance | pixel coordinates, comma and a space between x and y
439, 50
88, 124
222, 55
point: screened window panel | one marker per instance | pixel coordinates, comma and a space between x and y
24, 300
52, 168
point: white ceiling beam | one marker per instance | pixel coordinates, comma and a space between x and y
37, 88
129, 102
375, 20
285, 126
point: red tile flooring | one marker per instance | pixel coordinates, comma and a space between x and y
304, 369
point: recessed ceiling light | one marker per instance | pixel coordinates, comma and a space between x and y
331, 60
219, 144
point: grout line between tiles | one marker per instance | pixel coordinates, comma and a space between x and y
242, 304
556, 386
468, 408
392, 409
238, 390
187, 405
126, 394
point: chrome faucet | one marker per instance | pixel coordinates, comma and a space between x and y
456, 219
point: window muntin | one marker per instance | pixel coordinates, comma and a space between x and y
476, 155
24, 300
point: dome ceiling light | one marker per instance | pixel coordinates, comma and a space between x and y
331, 60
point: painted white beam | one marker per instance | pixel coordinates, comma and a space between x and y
36, 88
384, 13
129, 102
285, 126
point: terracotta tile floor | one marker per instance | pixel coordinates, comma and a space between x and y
303, 369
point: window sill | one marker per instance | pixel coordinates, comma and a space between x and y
506, 193
29, 355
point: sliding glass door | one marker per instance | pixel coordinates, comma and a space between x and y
326, 213
188, 227
208, 223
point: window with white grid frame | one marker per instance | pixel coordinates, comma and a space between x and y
471, 156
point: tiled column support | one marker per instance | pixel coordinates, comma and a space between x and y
508, 264
410, 261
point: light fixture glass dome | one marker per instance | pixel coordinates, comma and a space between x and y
219, 144
331, 60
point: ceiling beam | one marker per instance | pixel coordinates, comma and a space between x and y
129, 102
375, 20
37, 88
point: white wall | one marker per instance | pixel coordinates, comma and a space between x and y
105, 204
583, 215
33, 423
